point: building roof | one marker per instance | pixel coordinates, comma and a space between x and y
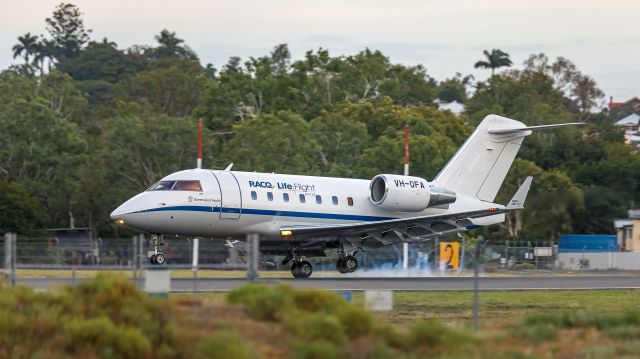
619, 104
632, 119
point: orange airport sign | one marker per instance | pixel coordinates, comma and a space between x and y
449, 255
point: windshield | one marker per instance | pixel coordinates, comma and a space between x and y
162, 186
177, 186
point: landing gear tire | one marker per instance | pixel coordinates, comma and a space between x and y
342, 269
301, 269
160, 259
350, 263
305, 269
152, 259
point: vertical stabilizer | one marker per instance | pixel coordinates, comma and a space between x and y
481, 164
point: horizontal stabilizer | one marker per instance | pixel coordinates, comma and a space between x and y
507, 131
518, 199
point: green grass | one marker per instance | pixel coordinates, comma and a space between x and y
495, 306
505, 305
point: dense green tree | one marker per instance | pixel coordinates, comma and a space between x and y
67, 31
494, 60
170, 86
280, 142
454, 89
19, 212
41, 151
142, 147
341, 141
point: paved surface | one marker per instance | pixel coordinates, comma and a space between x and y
428, 283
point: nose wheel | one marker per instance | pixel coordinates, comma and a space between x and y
157, 257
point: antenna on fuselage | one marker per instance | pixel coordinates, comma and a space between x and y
229, 167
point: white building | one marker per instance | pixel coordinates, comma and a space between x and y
630, 124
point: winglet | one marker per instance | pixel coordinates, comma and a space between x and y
518, 199
506, 131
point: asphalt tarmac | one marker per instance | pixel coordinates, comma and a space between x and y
413, 283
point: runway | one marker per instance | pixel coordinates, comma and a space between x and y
414, 283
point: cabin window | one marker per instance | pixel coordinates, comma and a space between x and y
350, 201
187, 186
318, 199
285, 197
162, 186
270, 196
254, 195
334, 199
302, 198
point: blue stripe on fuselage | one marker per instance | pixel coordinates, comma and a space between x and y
267, 212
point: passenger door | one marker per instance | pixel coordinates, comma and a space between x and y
230, 196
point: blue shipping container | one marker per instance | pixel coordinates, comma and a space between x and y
587, 243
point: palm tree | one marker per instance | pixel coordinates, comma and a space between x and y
495, 59
172, 46
44, 50
25, 47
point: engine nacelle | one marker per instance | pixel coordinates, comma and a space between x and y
407, 194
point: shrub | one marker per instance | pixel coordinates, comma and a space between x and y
433, 333
264, 302
536, 333
623, 332
316, 350
315, 300
101, 336
523, 266
318, 326
225, 344
356, 321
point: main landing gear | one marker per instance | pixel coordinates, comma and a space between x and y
157, 257
346, 263
299, 268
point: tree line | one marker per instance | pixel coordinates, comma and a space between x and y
85, 124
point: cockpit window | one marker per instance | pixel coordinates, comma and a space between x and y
188, 186
162, 186
177, 186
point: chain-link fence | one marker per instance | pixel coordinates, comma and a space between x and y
134, 253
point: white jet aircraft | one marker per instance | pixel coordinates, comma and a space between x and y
304, 216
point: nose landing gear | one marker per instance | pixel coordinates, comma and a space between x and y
157, 257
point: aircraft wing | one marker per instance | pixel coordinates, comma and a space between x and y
393, 231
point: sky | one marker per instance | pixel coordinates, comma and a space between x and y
446, 36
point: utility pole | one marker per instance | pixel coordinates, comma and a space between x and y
199, 160
405, 246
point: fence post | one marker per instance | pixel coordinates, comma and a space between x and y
253, 245
142, 255
10, 240
134, 258
195, 262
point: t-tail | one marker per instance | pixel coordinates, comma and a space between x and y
481, 164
